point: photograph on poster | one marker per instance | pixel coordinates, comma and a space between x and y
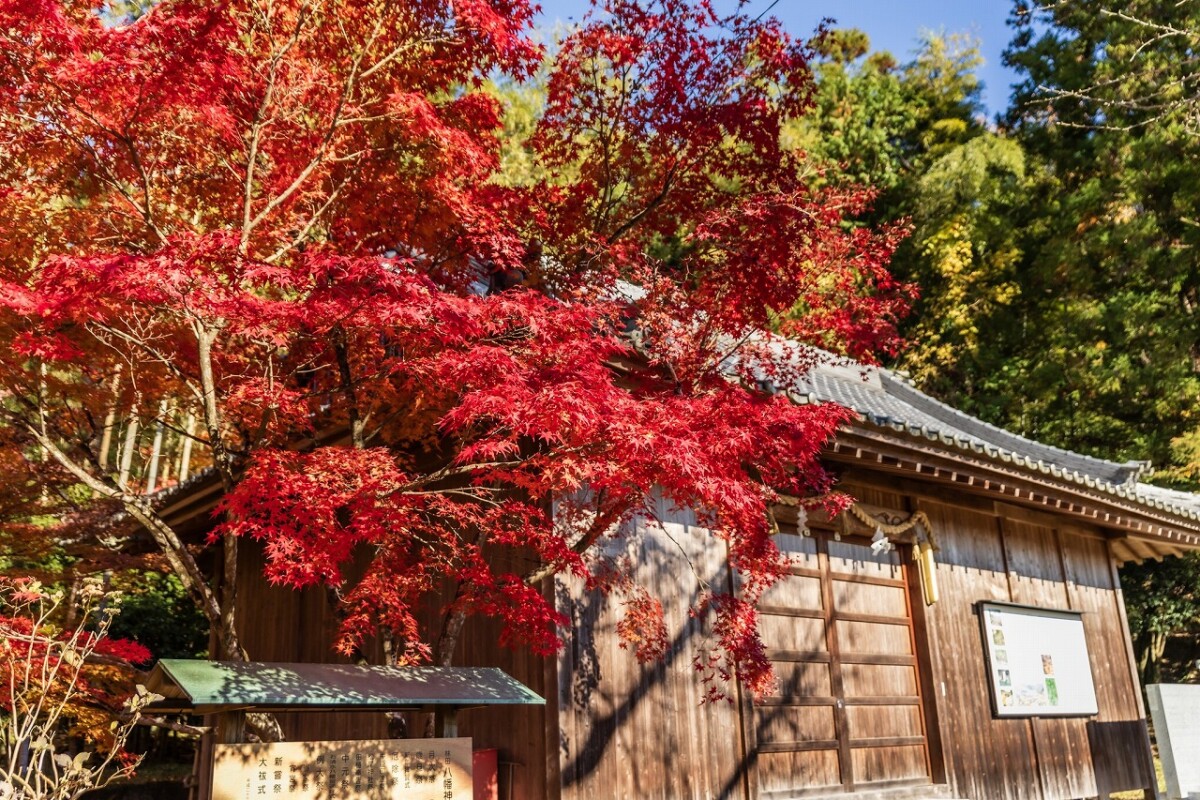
1038, 662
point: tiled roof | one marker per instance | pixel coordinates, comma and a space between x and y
886, 400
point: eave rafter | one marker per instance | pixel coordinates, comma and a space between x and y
871, 448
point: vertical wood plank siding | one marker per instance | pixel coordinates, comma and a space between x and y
279, 624
986, 758
640, 731
996, 557
917, 705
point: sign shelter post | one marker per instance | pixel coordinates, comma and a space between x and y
396, 769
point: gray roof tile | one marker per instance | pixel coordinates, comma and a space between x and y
884, 399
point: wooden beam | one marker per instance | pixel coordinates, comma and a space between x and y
1142, 549
1061, 494
1122, 552
1170, 550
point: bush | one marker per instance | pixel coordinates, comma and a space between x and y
64, 716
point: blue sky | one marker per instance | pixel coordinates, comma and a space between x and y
891, 25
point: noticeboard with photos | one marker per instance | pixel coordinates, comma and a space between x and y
1038, 663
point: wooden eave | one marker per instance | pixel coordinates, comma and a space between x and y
1137, 531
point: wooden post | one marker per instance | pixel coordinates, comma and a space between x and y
445, 723
229, 728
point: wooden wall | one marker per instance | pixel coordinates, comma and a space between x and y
616, 729
639, 731
846, 715
280, 624
1000, 553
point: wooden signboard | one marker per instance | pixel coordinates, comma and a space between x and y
1037, 661
385, 769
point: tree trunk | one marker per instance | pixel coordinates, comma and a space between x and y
110, 422
185, 456
443, 654
126, 464
156, 449
1150, 648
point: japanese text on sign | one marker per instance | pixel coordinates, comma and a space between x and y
384, 769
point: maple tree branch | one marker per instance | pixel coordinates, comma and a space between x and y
601, 524
348, 87
181, 560
342, 354
154, 353
354, 79
223, 460
308, 226
144, 209
451, 471
687, 558
147, 204
653, 203
400, 50
469, 494
260, 122
105, 173
171, 725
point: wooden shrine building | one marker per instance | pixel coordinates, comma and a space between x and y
1017, 683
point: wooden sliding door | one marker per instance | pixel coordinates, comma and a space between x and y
847, 714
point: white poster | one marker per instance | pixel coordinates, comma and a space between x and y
1037, 662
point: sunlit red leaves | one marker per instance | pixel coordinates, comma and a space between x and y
787, 260
536, 416
310, 189
313, 509
101, 111
739, 652
666, 107
643, 627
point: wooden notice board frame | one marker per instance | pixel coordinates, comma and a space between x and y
1065, 669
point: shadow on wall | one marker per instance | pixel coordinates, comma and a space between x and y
588, 694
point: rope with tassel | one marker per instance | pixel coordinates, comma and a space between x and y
923, 546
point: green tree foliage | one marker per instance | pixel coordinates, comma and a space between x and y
158, 614
1055, 249
879, 123
523, 102
1108, 358
916, 132
1109, 99
1110, 363
965, 253
1162, 599
1055, 257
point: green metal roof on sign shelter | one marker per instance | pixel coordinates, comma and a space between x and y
202, 687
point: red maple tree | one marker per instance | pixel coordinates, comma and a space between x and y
281, 221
